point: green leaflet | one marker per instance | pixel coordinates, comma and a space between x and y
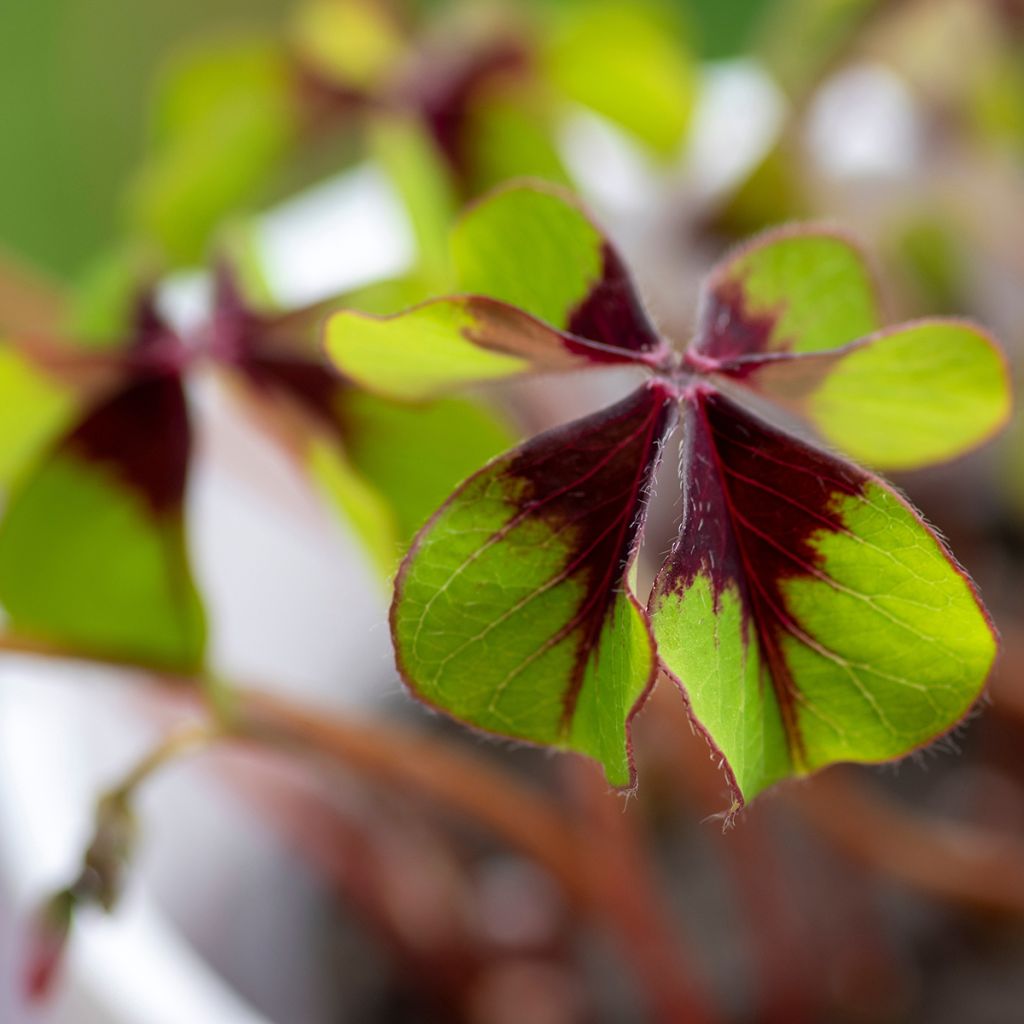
532, 247
447, 343
799, 289
807, 610
901, 623
92, 552
906, 397
429, 349
512, 610
793, 315
626, 61
33, 408
708, 643
224, 119
84, 565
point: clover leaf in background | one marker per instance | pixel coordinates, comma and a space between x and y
448, 105
92, 541
94, 554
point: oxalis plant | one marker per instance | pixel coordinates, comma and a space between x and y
806, 612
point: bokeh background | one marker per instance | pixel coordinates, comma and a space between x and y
140, 140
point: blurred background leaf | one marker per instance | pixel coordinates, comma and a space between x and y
76, 81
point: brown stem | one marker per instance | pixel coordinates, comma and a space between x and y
603, 873
416, 764
374, 860
967, 865
787, 986
527, 821
622, 870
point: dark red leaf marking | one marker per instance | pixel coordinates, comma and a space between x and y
313, 386
728, 330
153, 347
754, 498
612, 313
142, 434
256, 345
500, 327
146, 323
706, 543
593, 477
444, 91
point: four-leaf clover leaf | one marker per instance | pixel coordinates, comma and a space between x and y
807, 612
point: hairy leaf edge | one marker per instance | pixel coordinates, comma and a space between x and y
656, 663
741, 367
779, 233
739, 802
594, 354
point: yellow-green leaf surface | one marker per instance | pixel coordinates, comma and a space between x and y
554, 295
795, 289
513, 611
534, 247
629, 63
92, 552
906, 397
806, 610
446, 344
353, 43
225, 117
33, 408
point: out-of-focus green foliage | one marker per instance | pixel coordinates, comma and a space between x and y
84, 564
415, 168
448, 108
356, 44
998, 101
800, 38
411, 454
623, 60
104, 297
75, 80
32, 409
930, 252
226, 116
771, 193
724, 28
